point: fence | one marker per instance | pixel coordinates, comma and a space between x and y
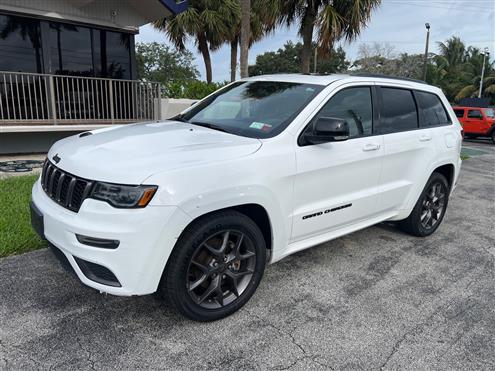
40, 99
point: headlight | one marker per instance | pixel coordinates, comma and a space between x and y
123, 196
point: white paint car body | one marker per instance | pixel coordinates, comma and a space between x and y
199, 170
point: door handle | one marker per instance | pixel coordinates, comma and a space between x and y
371, 147
424, 138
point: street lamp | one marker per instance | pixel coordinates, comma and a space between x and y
486, 52
427, 25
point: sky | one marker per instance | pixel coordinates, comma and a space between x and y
400, 23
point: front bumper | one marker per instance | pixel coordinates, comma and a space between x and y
146, 238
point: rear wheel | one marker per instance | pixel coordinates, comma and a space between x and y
216, 266
430, 208
493, 136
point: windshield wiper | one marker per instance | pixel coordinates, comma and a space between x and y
209, 126
179, 118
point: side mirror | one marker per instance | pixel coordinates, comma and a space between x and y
327, 129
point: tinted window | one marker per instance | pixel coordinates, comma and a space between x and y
474, 114
257, 109
20, 44
490, 112
353, 105
459, 112
118, 63
112, 54
398, 111
431, 110
70, 49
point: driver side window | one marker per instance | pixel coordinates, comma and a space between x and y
354, 106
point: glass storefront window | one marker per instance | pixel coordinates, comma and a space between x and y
118, 55
112, 54
20, 44
70, 50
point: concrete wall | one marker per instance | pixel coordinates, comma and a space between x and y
17, 143
172, 107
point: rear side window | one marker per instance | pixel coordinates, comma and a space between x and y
398, 111
431, 110
474, 114
459, 112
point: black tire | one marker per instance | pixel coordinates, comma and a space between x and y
195, 266
414, 224
493, 136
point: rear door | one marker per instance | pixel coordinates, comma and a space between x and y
336, 183
408, 150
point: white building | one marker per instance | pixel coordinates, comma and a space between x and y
69, 65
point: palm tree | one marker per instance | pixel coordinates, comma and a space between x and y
210, 23
471, 90
472, 67
333, 19
454, 51
245, 35
263, 20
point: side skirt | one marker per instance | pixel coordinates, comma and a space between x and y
328, 236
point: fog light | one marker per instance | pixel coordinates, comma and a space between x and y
98, 242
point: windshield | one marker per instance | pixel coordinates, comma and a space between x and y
490, 112
256, 109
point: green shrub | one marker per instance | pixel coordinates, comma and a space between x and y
190, 89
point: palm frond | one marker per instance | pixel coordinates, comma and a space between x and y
465, 92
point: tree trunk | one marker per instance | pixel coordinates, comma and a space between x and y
307, 34
245, 35
205, 52
233, 58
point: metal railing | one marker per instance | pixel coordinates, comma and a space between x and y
40, 99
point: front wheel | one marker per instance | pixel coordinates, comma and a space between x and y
430, 208
493, 136
216, 266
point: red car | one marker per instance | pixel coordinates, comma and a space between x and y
477, 122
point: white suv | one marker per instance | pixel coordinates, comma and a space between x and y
267, 166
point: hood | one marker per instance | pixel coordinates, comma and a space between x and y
129, 154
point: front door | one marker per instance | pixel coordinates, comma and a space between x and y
336, 183
474, 123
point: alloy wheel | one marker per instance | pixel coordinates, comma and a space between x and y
221, 269
433, 205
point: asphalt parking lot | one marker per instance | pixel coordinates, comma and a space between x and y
376, 299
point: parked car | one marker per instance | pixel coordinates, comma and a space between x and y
267, 166
477, 122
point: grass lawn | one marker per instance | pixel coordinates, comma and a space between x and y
16, 235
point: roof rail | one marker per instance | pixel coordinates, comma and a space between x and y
364, 74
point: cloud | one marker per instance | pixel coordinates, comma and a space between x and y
398, 22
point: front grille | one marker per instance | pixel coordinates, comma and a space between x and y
64, 188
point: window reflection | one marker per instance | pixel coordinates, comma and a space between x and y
71, 49
20, 44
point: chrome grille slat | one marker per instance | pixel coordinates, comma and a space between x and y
68, 203
86, 190
51, 182
60, 186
